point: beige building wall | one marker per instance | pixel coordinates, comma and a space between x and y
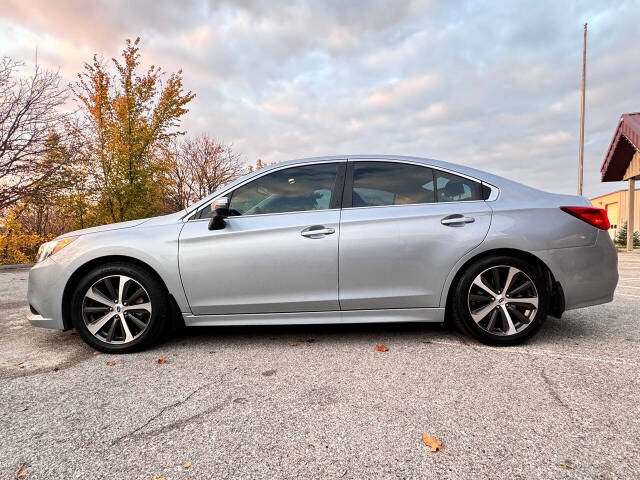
616, 205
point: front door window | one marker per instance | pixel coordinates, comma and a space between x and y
295, 189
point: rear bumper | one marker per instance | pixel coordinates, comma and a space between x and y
588, 275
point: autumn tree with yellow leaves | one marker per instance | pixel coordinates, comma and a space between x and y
130, 116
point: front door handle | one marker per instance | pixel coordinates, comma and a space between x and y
456, 219
317, 231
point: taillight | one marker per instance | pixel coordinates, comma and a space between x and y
593, 216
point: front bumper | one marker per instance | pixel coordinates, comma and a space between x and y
46, 286
40, 321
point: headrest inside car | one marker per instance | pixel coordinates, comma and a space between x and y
453, 189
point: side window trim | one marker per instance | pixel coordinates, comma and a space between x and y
336, 192
343, 188
347, 196
338, 187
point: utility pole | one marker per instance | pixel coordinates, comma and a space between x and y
584, 75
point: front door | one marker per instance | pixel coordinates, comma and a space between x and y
402, 230
268, 259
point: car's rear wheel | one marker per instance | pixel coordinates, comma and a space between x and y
501, 300
120, 307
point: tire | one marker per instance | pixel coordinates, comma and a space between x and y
484, 311
129, 327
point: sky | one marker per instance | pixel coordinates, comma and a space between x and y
489, 84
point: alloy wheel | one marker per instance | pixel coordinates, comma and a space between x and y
116, 309
503, 300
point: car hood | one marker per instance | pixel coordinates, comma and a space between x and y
105, 228
130, 224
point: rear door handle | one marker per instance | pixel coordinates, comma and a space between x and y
456, 219
317, 231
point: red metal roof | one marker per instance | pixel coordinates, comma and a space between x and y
624, 144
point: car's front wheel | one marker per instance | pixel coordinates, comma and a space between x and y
119, 308
501, 300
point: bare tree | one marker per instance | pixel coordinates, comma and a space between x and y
199, 166
60, 202
31, 123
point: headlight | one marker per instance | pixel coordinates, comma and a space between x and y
52, 247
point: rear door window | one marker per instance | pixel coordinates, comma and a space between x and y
378, 184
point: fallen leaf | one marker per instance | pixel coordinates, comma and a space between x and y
187, 464
111, 364
293, 344
22, 471
565, 465
160, 478
96, 352
162, 360
17, 364
434, 444
381, 348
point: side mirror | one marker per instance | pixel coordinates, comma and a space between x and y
220, 209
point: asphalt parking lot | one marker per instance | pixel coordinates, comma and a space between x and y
318, 402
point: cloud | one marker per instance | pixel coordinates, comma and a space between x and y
494, 85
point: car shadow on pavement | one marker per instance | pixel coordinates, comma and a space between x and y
337, 332
577, 327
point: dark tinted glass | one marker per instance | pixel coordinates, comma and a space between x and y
205, 212
388, 183
452, 188
293, 189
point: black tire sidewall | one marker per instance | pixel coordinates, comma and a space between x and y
463, 317
157, 294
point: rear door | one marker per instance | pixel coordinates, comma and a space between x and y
403, 228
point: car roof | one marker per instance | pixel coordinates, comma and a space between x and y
453, 167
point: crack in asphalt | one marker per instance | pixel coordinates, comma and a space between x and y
75, 358
159, 414
553, 390
182, 422
522, 350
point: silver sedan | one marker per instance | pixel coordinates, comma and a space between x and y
351, 239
